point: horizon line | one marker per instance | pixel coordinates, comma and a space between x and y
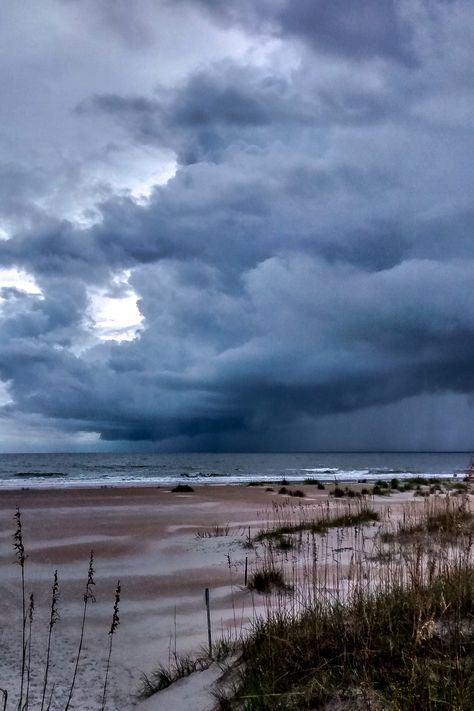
282, 451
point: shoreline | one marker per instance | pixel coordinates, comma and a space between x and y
213, 481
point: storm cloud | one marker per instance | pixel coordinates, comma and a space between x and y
375, 28
290, 206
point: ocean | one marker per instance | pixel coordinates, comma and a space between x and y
72, 470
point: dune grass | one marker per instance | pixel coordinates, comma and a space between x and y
451, 520
321, 525
217, 530
182, 665
369, 618
267, 579
395, 635
411, 646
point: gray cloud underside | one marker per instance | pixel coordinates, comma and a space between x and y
312, 256
374, 28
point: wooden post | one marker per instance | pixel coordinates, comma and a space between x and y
208, 608
246, 568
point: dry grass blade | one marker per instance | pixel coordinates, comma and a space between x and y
113, 628
20, 559
53, 619
87, 597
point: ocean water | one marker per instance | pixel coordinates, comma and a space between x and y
71, 470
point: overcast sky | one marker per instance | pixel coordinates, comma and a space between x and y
236, 225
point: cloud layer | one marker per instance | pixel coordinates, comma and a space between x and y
302, 253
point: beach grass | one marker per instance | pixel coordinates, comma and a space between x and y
407, 648
217, 530
36, 688
362, 613
181, 666
182, 489
267, 579
321, 525
395, 637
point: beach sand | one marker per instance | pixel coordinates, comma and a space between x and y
146, 537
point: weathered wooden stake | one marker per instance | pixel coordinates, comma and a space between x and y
208, 608
246, 567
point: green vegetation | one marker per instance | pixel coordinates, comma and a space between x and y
284, 543
362, 620
350, 492
402, 640
182, 489
381, 490
321, 525
164, 676
452, 522
215, 531
292, 492
314, 482
268, 579
460, 486
410, 648
184, 665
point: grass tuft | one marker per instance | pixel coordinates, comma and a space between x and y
268, 579
182, 666
322, 525
215, 531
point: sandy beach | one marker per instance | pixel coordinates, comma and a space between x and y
161, 546
147, 538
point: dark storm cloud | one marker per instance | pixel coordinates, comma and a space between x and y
312, 256
230, 105
373, 28
53, 320
211, 111
210, 362
228, 215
